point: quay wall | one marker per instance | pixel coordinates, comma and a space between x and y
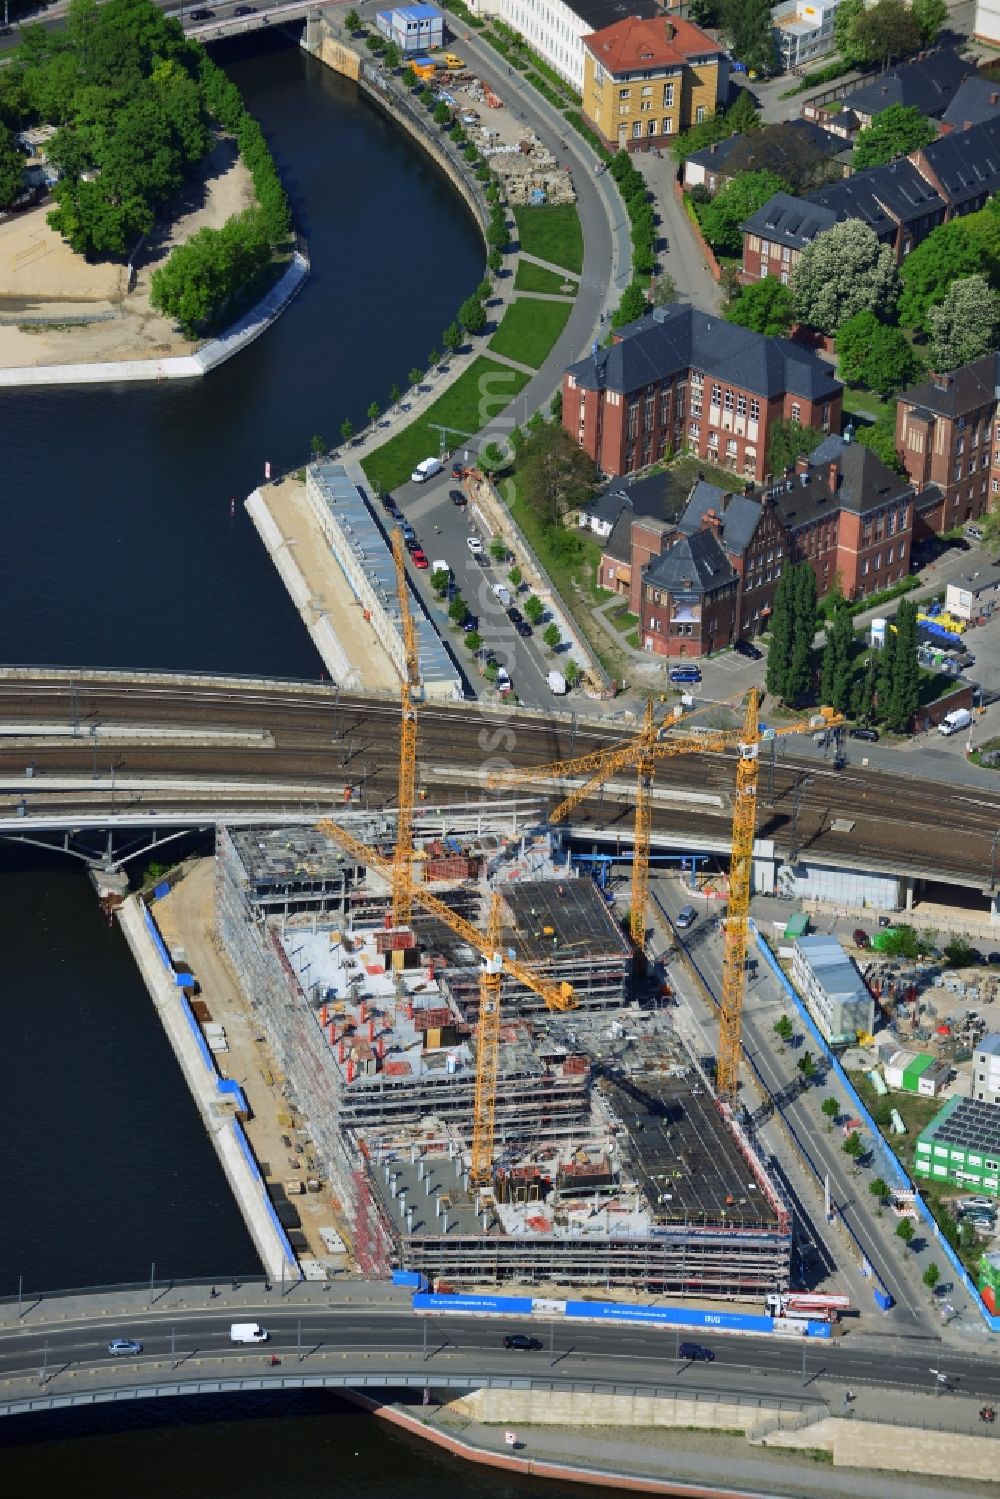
218, 1098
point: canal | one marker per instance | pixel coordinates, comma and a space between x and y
120, 550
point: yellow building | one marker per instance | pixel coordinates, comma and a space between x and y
646, 81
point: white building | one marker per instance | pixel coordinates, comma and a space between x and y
554, 29
986, 27
986, 1071
804, 30
415, 29
835, 993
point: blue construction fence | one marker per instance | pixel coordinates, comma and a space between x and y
691, 1319
226, 1087
891, 1164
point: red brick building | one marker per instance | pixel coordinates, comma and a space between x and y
948, 436
683, 379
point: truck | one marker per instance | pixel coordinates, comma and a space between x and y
803, 1304
248, 1332
557, 683
960, 718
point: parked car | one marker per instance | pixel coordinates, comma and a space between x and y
521, 1342
387, 501
470, 622
686, 916
696, 1351
752, 652
514, 614
974, 533
200, 14
457, 471
458, 498
419, 558
503, 679
475, 545
861, 938
244, 10
119, 1346
685, 674
408, 531
426, 470
523, 628
870, 736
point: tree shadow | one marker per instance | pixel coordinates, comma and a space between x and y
191, 197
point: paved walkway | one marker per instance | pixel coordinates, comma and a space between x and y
542, 296
549, 265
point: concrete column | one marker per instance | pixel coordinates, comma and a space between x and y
908, 892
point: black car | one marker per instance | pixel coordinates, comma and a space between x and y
470, 622
870, 736
386, 501
960, 544
514, 614
523, 628
521, 1342
244, 10
458, 498
752, 652
697, 1352
201, 14
412, 544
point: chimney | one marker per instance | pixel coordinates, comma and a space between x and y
670, 29
833, 476
712, 522
995, 99
714, 147
939, 381
802, 465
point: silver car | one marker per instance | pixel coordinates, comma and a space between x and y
686, 916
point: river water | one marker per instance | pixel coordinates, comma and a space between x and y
120, 550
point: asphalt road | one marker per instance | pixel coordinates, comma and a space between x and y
198, 1341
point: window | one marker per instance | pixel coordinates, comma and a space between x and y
645, 105
668, 96
754, 409
995, 485
637, 130
699, 114
694, 430
624, 93
623, 109
728, 401
731, 447
972, 464
716, 394
796, 411
646, 90
786, 254
668, 127
784, 278
741, 405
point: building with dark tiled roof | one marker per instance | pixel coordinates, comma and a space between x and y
902, 201
948, 436
976, 99
681, 378
928, 83
710, 167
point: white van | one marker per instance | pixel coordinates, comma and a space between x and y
503, 594
960, 719
426, 470
248, 1332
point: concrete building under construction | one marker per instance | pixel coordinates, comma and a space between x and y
613, 1162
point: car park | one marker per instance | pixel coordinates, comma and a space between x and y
475, 545
870, 736
686, 916
752, 652
521, 1343
458, 498
120, 1346
697, 1352
419, 558
685, 674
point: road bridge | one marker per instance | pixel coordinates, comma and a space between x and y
100, 749
54, 1352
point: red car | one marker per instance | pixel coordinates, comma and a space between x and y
419, 558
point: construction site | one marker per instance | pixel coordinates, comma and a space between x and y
612, 1163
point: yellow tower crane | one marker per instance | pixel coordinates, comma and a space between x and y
402, 872
654, 743
496, 963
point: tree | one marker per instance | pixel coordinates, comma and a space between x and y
473, 641
409, 76
895, 131
764, 306
352, 21
374, 412
931, 1276
783, 1029
965, 324
838, 660
441, 580
853, 1146
498, 549
806, 1066
552, 636
472, 315
452, 338
843, 271
664, 289
741, 197
930, 16
783, 150
432, 358
457, 609
748, 25
874, 355
533, 609
949, 253
554, 475
798, 674
347, 429
904, 1230
415, 376
515, 578
831, 1108
880, 436
572, 673
494, 260
846, 42
442, 114
788, 441
901, 942
904, 691
887, 32
318, 446
782, 609
632, 305
880, 1190
392, 57
957, 952
11, 169
492, 458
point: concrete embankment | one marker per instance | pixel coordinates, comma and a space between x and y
219, 1099
184, 367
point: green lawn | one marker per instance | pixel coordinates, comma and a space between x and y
468, 405
552, 232
865, 402
529, 329
536, 278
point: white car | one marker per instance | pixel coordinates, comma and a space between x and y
475, 546
503, 679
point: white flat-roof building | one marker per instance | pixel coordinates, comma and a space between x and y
986, 26
415, 29
804, 30
554, 28
986, 1070
836, 995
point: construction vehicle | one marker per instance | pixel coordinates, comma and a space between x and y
496, 963
659, 741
